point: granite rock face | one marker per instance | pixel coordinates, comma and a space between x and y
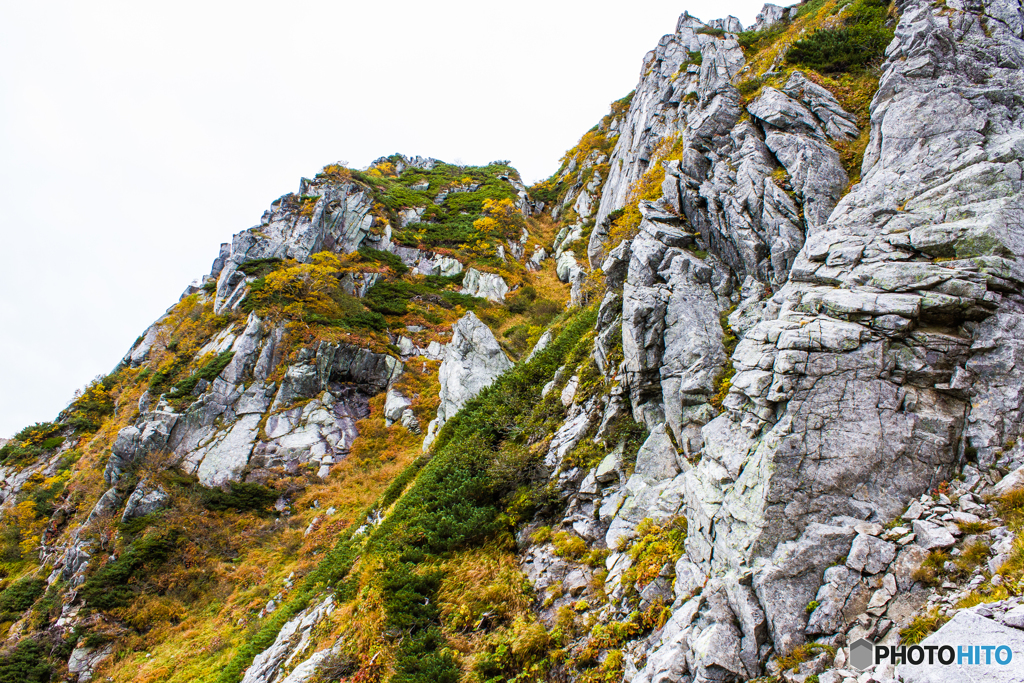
472, 361
877, 333
489, 286
340, 221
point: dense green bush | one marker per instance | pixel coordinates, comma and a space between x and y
26, 663
365, 320
111, 586
390, 260
856, 45
260, 267
241, 496
209, 371
422, 659
409, 597
162, 378
19, 596
752, 41
392, 297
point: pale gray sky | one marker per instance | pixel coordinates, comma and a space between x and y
136, 137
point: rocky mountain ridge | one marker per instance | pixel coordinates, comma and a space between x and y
768, 413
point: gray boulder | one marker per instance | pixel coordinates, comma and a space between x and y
472, 361
490, 286
964, 629
870, 555
145, 500
931, 536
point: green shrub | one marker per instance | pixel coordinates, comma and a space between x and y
260, 267
859, 43
410, 601
389, 298
209, 371
392, 261
365, 320
752, 41
708, 31
162, 378
422, 659
109, 586
747, 88
520, 303
241, 497
26, 663
19, 596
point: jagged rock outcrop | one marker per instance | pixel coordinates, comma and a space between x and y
490, 286
472, 361
292, 640
340, 221
338, 378
659, 107
145, 499
804, 363
878, 331
851, 394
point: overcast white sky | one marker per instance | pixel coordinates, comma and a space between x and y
136, 137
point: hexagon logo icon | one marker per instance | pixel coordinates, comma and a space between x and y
862, 654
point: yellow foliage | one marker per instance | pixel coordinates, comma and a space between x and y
501, 219
307, 207
188, 326
338, 172
482, 581
647, 187
655, 546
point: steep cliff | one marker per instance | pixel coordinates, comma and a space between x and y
736, 386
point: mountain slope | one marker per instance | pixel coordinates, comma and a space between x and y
657, 418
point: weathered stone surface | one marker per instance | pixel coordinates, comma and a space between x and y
136, 442
786, 585
769, 16
931, 536
671, 336
292, 638
828, 617
472, 360
1013, 480
84, 660
144, 500
657, 460
689, 579
394, 406
340, 221
907, 562
539, 256
870, 555
968, 627
490, 286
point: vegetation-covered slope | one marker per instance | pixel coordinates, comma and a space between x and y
658, 417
